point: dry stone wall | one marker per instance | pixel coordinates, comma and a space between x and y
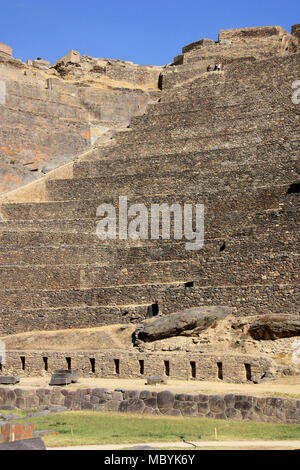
123, 364
163, 403
47, 117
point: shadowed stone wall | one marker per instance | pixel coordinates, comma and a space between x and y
164, 403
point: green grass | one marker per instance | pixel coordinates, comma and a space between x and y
14, 412
94, 427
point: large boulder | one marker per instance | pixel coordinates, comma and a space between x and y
35, 443
184, 323
275, 327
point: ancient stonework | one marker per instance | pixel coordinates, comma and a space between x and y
50, 115
98, 129
230, 406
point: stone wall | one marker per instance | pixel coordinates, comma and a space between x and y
163, 403
112, 363
46, 120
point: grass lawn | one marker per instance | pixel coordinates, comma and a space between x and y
95, 427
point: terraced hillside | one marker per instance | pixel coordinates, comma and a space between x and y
228, 140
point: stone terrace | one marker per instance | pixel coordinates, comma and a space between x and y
228, 140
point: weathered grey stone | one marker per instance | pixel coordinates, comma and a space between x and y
275, 326
131, 394
9, 380
132, 405
182, 323
243, 405
151, 402
229, 400
35, 443
180, 397
216, 404
203, 408
159, 379
145, 394
189, 408
99, 392
203, 398
232, 413
165, 401
60, 380
113, 405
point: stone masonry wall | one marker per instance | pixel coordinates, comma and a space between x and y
163, 403
123, 364
46, 120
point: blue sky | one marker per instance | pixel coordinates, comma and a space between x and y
151, 32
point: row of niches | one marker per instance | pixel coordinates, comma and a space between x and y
125, 367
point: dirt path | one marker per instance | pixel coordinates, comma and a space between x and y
287, 385
251, 445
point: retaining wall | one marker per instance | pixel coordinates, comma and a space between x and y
230, 406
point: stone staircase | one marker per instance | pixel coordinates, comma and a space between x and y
228, 140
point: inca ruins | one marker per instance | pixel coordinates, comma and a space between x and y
85, 131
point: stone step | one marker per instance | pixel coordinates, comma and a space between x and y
47, 215
167, 250
237, 79
74, 313
66, 317
222, 225
247, 269
31, 299
194, 144
191, 69
168, 296
217, 160
173, 183
183, 101
203, 116
188, 129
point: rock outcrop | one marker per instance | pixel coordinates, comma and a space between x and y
275, 327
188, 323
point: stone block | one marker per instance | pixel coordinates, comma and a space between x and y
203, 408
145, 394
27, 444
165, 401
216, 404
154, 380
243, 405
74, 374
132, 405
60, 380
151, 402
131, 394
114, 405
189, 408
9, 380
57, 398
99, 392
118, 396
203, 398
